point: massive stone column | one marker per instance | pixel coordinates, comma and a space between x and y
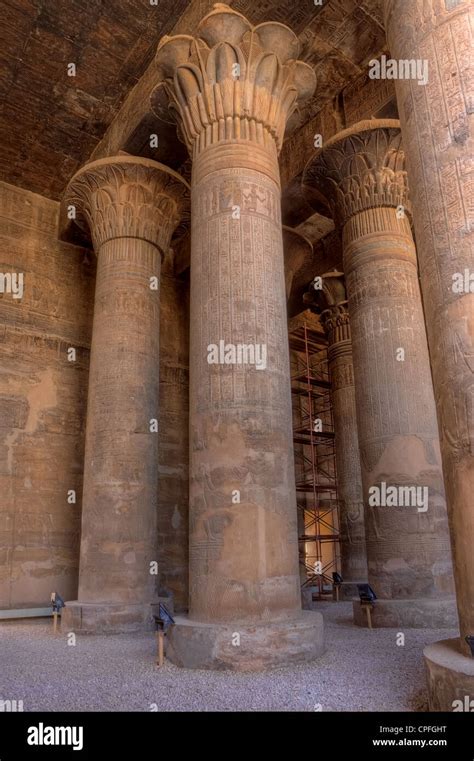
330, 302
361, 171
233, 88
131, 206
437, 128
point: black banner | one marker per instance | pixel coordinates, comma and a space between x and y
137, 735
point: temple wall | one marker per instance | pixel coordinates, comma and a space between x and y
42, 400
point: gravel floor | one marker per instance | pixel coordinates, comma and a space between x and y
361, 671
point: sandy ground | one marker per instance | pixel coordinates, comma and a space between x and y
361, 670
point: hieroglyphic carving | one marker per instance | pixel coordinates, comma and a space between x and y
437, 129
294, 15
299, 146
232, 190
238, 262
342, 374
365, 97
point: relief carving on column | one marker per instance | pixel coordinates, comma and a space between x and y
128, 197
420, 18
234, 81
360, 169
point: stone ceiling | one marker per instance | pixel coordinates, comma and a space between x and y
50, 123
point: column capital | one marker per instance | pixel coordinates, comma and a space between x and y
234, 81
358, 169
128, 197
330, 302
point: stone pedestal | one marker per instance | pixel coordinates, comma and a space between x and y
416, 613
330, 301
131, 207
450, 677
107, 618
234, 88
246, 647
362, 173
437, 126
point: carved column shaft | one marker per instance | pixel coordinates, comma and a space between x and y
243, 557
362, 171
234, 88
436, 123
396, 412
118, 539
349, 480
331, 303
131, 207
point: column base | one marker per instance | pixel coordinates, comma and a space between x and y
106, 618
411, 614
450, 676
196, 645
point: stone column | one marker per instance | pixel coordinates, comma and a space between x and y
362, 173
331, 303
131, 206
437, 127
233, 88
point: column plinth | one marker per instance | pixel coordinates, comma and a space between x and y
233, 95
437, 126
331, 303
362, 173
131, 207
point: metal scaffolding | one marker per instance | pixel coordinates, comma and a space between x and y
315, 458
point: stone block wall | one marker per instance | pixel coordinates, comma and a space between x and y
43, 399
